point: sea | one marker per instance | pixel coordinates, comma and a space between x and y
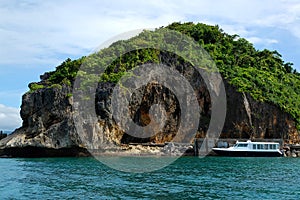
185, 178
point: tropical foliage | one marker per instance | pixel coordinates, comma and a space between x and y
262, 73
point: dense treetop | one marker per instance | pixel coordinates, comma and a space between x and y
262, 73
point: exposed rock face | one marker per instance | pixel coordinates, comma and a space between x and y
247, 117
47, 125
48, 122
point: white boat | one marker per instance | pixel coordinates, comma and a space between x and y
251, 149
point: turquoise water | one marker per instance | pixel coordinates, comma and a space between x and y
186, 178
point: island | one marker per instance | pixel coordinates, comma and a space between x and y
262, 100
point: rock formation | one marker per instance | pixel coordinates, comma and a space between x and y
49, 128
248, 118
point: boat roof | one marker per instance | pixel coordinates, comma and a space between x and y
249, 141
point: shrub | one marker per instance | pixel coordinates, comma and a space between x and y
35, 86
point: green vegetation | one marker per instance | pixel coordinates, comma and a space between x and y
119, 67
35, 86
56, 85
66, 72
262, 73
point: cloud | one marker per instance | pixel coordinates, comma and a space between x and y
264, 41
77, 26
45, 32
39, 31
9, 118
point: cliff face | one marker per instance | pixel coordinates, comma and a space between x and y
47, 126
48, 121
50, 118
247, 117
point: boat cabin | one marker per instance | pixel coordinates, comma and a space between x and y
256, 145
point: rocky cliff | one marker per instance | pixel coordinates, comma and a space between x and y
248, 118
49, 128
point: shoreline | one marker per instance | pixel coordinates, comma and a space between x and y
128, 150
38, 152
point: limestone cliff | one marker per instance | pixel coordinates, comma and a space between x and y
48, 125
247, 118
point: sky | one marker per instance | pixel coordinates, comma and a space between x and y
37, 35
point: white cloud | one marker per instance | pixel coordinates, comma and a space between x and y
39, 31
264, 41
9, 118
35, 32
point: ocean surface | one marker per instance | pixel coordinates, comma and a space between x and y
186, 178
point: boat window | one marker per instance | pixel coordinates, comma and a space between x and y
254, 146
266, 146
242, 145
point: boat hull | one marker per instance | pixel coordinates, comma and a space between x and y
248, 153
